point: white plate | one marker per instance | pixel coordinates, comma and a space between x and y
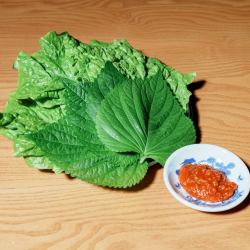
219, 158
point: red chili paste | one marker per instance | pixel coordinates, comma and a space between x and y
205, 183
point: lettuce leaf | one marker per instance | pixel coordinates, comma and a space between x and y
114, 127
39, 100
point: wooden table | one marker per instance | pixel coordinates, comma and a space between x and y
46, 211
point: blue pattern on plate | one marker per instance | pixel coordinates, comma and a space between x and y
218, 165
236, 195
191, 160
240, 178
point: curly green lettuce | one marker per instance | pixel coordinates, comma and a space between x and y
101, 71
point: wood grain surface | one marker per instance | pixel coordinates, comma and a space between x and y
41, 210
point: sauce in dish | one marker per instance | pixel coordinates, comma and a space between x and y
205, 183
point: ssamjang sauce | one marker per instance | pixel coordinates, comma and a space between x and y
205, 183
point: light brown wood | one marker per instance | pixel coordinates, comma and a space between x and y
41, 210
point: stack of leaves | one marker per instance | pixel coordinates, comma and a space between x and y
101, 112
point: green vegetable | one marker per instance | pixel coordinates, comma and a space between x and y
73, 144
144, 117
100, 111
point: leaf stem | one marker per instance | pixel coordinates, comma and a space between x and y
143, 158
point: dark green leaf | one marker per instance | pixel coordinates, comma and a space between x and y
144, 117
